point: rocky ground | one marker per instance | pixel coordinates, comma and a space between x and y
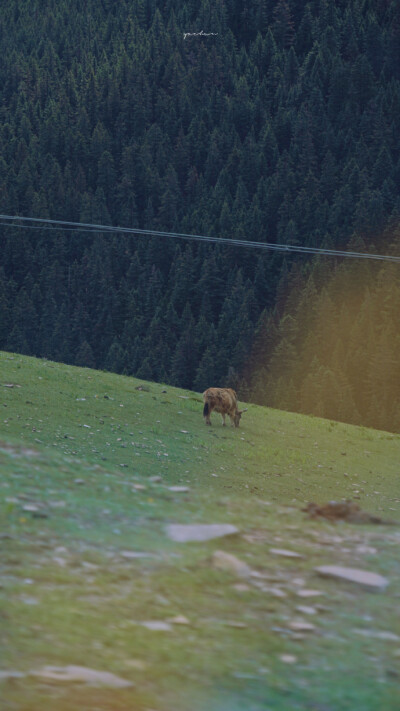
149, 563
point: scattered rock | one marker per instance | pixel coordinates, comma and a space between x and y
241, 587
372, 581
244, 675
274, 591
83, 674
184, 533
376, 634
301, 626
264, 670
285, 553
299, 582
179, 620
365, 550
89, 566
306, 610
231, 564
10, 674
178, 489
288, 658
60, 561
309, 593
29, 600
135, 554
156, 625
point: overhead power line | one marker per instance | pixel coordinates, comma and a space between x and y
36, 223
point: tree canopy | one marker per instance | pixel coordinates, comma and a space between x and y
279, 123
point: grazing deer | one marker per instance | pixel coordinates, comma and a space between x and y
224, 401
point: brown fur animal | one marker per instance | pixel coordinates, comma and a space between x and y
224, 401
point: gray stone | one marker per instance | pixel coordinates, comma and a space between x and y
231, 564
306, 610
285, 553
30, 507
372, 581
157, 625
309, 593
83, 674
179, 620
301, 626
135, 554
274, 591
10, 674
184, 533
378, 634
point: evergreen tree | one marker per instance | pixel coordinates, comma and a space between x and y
84, 356
283, 127
185, 356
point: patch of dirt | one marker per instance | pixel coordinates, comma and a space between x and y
342, 511
15, 451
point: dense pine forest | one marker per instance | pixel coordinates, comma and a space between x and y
279, 124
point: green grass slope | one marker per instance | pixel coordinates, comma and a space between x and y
87, 462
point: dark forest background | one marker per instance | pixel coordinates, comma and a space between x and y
283, 127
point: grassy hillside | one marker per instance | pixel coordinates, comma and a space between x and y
87, 462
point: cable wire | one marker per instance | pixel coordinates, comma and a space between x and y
88, 227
